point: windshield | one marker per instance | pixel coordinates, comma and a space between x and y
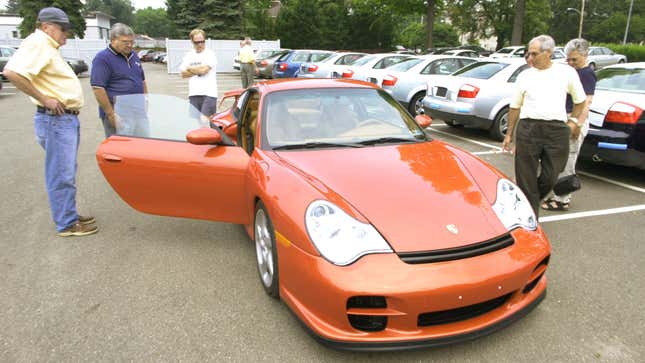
317, 57
353, 117
156, 116
481, 70
405, 65
505, 50
621, 79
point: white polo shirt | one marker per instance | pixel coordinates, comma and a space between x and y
205, 85
542, 93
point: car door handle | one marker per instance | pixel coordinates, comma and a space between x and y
112, 158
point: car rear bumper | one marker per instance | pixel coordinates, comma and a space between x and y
511, 280
461, 112
612, 147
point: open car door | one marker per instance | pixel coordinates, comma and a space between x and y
155, 170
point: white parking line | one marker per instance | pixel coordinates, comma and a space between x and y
631, 187
7, 93
594, 213
465, 139
487, 152
8, 87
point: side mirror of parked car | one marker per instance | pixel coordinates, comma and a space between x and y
204, 136
423, 120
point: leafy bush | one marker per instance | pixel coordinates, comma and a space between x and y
634, 52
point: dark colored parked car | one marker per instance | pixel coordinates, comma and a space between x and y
265, 59
5, 54
288, 65
149, 57
616, 118
78, 65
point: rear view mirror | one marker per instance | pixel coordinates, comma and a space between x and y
204, 136
423, 120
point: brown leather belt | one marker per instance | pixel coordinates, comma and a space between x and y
42, 109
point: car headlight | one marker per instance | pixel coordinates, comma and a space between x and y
512, 207
340, 238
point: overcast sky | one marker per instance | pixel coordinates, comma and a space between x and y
140, 4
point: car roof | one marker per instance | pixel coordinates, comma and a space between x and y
632, 65
276, 85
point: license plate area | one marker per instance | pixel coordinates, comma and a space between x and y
440, 91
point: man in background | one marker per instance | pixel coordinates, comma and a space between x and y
247, 63
199, 66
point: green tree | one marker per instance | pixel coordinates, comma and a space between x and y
153, 22
298, 24
220, 19
29, 12
121, 10
12, 7
256, 20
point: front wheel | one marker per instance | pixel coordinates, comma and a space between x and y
621, 61
500, 125
416, 105
266, 251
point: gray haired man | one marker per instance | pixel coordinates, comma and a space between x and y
116, 71
542, 142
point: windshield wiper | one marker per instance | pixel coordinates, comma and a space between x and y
315, 145
389, 139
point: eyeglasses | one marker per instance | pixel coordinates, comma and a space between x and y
199, 42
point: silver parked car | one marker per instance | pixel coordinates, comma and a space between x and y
600, 57
264, 61
616, 118
358, 70
409, 86
330, 67
477, 95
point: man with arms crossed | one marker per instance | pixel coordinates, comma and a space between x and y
38, 69
542, 140
199, 66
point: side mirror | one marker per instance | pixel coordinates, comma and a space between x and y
204, 136
423, 120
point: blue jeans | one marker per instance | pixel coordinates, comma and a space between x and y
59, 136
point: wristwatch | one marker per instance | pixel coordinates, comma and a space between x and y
574, 120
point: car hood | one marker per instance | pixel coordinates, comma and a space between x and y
414, 194
604, 99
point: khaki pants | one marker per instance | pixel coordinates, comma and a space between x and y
247, 72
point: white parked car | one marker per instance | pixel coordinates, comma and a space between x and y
600, 57
359, 69
509, 52
329, 67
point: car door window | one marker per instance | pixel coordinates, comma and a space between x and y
442, 66
300, 57
387, 61
249, 121
465, 62
318, 57
517, 72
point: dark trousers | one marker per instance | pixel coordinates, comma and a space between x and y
540, 146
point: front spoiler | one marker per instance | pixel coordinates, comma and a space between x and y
427, 343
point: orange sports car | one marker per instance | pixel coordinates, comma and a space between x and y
375, 235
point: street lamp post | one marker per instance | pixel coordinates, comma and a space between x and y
580, 12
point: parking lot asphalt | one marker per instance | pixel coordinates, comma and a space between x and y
150, 288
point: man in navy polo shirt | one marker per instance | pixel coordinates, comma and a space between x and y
117, 71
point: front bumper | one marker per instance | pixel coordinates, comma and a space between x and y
412, 291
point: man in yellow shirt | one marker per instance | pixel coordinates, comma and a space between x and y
38, 69
247, 63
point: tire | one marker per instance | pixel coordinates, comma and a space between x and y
621, 61
452, 123
498, 130
592, 65
266, 251
416, 107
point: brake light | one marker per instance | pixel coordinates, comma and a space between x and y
282, 66
623, 113
468, 91
389, 80
348, 73
312, 68
263, 63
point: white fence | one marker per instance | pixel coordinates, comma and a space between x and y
225, 51
84, 49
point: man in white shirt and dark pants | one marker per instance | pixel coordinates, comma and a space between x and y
542, 135
199, 65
